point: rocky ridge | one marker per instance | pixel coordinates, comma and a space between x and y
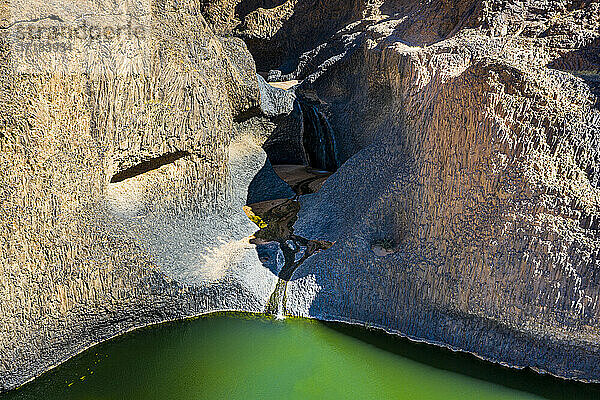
123, 178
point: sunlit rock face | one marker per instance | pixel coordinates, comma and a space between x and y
467, 211
123, 175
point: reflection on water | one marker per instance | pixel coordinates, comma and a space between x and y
525, 380
243, 356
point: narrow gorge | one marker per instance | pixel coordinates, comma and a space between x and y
430, 170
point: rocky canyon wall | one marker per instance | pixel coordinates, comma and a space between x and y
465, 210
472, 158
471, 135
123, 175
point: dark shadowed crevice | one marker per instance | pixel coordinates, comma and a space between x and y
310, 24
248, 114
148, 165
319, 138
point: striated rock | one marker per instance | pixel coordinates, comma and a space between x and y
465, 209
123, 176
471, 135
477, 162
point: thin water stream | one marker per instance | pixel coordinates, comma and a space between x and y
276, 219
318, 138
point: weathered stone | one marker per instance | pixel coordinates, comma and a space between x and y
122, 181
469, 134
479, 162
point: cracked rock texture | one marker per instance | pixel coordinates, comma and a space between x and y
473, 146
471, 135
85, 256
469, 132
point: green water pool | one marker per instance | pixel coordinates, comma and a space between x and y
241, 356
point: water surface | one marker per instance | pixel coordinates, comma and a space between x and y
240, 356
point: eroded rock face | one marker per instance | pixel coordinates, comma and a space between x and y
470, 132
478, 163
123, 175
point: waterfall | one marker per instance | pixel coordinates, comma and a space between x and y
318, 138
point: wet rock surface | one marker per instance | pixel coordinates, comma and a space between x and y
301, 178
278, 247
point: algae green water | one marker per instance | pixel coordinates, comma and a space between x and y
233, 356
